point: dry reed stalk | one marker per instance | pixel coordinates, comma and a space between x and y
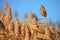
22, 31
52, 29
27, 33
16, 28
2, 34
1, 15
8, 17
10, 28
33, 28
48, 34
58, 34
30, 15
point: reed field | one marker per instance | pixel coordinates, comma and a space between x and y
30, 29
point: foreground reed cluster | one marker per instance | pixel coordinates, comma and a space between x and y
28, 30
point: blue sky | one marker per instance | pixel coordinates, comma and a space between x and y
22, 6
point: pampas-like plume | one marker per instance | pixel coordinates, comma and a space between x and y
16, 28
58, 34
2, 32
8, 17
22, 31
1, 15
30, 15
43, 11
48, 34
10, 28
8, 9
27, 33
52, 29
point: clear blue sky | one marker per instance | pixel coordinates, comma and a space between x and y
23, 6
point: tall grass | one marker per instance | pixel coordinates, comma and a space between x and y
28, 30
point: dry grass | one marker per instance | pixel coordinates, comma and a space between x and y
29, 30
